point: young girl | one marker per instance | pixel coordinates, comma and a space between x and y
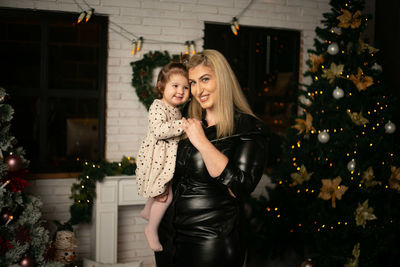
157, 154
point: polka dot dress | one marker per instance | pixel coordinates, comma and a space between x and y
157, 154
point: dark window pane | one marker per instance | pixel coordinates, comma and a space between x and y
25, 124
72, 130
19, 53
51, 68
266, 63
73, 56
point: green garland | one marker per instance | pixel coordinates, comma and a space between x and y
142, 74
84, 191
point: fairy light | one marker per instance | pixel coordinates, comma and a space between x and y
89, 14
234, 30
192, 48
81, 16
186, 47
139, 44
5, 184
134, 47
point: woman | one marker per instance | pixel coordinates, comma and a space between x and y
217, 167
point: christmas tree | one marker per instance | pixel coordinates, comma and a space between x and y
23, 239
337, 191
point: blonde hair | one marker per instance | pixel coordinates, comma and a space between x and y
230, 96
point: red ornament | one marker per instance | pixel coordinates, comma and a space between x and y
4, 245
27, 261
17, 184
22, 235
14, 162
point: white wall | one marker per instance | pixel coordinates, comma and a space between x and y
170, 20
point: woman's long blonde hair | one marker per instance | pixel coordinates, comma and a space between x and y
230, 97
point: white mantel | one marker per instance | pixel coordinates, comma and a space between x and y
114, 191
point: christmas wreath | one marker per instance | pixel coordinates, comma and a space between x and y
142, 74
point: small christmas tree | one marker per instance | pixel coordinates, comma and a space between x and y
23, 239
337, 190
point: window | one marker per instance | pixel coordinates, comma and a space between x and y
54, 71
266, 62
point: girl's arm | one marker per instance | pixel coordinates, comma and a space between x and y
159, 127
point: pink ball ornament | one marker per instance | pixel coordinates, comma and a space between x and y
27, 261
14, 162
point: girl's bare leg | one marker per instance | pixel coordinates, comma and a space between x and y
145, 213
157, 212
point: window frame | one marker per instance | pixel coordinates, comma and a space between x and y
45, 92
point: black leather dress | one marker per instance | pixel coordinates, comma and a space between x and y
201, 227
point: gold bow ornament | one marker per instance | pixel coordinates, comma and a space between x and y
349, 20
334, 71
364, 213
394, 180
361, 81
315, 61
332, 190
368, 178
304, 125
357, 118
301, 176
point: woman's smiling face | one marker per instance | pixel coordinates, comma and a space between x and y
203, 85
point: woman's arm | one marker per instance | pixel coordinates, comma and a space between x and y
214, 160
242, 172
245, 168
159, 127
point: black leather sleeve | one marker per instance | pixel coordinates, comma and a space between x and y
245, 167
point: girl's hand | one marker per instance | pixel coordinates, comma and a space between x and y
194, 131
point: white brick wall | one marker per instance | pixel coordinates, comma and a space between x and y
168, 20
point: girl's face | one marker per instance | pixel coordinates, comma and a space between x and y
176, 91
203, 84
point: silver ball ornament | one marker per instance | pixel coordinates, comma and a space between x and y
351, 166
323, 137
338, 93
333, 49
390, 127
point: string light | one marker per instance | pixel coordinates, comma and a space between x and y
186, 47
192, 48
89, 14
134, 47
235, 26
139, 44
81, 16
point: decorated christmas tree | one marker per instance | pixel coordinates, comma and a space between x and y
337, 191
23, 240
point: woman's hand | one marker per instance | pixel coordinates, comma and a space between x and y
195, 132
